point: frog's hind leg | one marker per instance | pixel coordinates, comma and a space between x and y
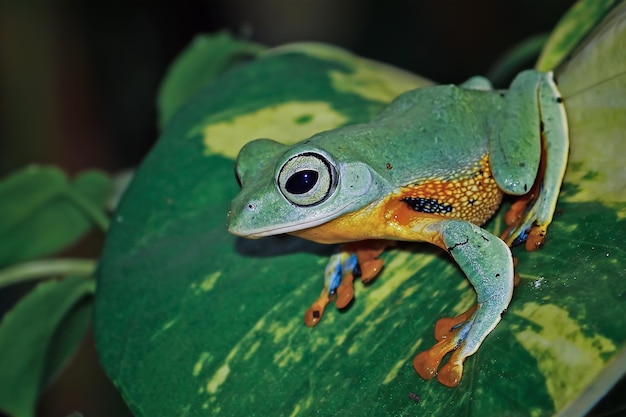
529, 217
487, 262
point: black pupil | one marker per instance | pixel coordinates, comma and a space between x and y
301, 182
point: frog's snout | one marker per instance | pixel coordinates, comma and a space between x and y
239, 216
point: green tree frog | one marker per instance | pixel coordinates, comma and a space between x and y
431, 167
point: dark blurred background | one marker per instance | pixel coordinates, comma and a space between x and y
78, 82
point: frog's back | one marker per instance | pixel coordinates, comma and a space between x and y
430, 147
430, 133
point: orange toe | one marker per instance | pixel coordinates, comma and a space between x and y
426, 364
535, 238
345, 291
450, 374
314, 314
370, 269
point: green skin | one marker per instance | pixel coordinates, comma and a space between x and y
430, 133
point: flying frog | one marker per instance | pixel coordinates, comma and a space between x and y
432, 167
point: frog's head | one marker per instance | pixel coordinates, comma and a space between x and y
287, 189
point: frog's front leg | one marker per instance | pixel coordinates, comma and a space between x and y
528, 153
487, 262
356, 258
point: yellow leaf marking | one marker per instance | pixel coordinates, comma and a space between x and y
369, 79
163, 329
303, 404
219, 377
204, 357
393, 373
287, 123
209, 282
568, 358
370, 82
287, 356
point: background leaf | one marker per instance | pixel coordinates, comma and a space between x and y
571, 30
198, 65
36, 338
234, 308
43, 212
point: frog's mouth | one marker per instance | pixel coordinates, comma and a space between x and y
292, 228
328, 229
242, 224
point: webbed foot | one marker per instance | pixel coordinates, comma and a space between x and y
357, 258
338, 279
523, 227
453, 335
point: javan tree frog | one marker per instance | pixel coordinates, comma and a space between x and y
431, 167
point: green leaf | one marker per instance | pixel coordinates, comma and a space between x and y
198, 65
573, 27
67, 336
593, 84
36, 338
305, 89
235, 308
43, 212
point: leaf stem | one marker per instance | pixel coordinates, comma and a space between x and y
95, 213
46, 268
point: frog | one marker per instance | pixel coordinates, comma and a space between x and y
433, 166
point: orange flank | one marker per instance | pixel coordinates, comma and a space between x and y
474, 196
408, 213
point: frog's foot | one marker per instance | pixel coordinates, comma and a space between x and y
338, 279
524, 228
357, 258
522, 221
343, 295
427, 363
462, 336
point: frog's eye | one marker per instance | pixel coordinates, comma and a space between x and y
307, 179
